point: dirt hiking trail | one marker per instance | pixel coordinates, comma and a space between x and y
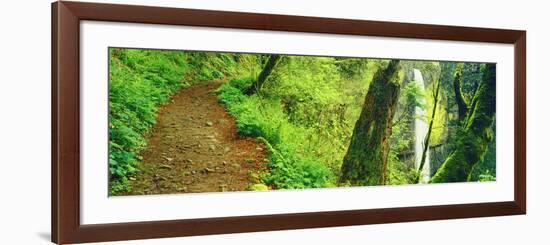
194, 147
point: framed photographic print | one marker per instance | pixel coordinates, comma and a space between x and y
177, 122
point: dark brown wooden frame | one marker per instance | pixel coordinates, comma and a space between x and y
66, 227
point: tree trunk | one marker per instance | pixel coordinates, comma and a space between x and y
365, 162
427, 139
473, 102
457, 84
268, 68
472, 140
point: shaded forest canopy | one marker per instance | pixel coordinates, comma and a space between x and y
326, 121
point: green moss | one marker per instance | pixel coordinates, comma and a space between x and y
365, 162
473, 140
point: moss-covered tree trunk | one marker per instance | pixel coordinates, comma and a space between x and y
473, 139
457, 85
365, 162
266, 71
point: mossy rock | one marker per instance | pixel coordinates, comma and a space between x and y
258, 187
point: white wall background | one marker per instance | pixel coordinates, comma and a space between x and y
25, 121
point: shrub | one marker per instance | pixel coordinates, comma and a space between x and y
263, 118
139, 81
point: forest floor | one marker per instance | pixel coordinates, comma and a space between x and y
194, 147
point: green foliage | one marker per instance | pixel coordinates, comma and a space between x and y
210, 66
486, 176
485, 169
474, 139
402, 137
290, 167
399, 173
413, 96
305, 112
140, 81
310, 94
471, 76
352, 68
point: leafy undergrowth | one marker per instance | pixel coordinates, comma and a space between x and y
140, 81
290, 167
305, 114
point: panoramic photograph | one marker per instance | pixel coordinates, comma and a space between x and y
196, 122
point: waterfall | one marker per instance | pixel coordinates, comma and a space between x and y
420, 131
